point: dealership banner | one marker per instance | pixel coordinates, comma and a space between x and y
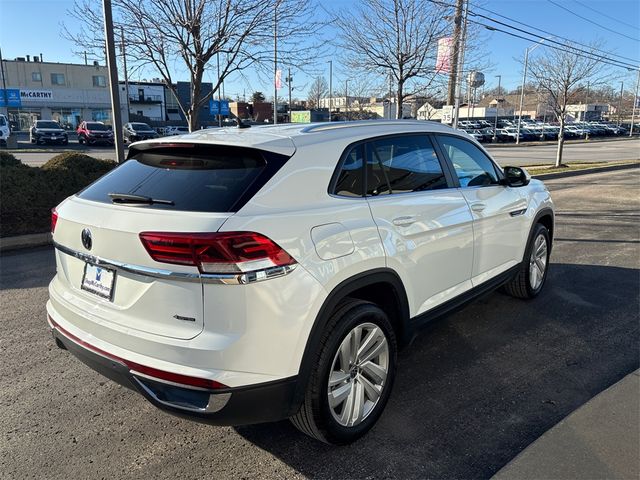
443, 60
219, 107
278, 79
10, 97
36, 95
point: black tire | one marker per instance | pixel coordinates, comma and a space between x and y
314, 417
80, 139
520, 286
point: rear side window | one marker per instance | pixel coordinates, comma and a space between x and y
350, 178
200, 179
403, 164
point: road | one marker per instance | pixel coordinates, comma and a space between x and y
473, 390
597, 151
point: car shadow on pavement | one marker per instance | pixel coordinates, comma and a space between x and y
475, 388
27, 269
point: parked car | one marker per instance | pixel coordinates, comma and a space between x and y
475, 134
251, 275
5, 129
48, 131
176, 130
136, 131
92, 133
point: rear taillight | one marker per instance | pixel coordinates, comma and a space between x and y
54, 219
225, 252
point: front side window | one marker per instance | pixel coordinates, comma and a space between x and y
36, 76
57, 79
99, 81
403, 164
349, 182
473, 168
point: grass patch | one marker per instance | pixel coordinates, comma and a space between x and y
569, 167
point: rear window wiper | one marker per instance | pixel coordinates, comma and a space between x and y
128, 198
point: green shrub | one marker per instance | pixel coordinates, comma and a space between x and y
27, 194
8, 160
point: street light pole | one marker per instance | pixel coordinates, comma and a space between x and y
330, 87
620, 103
112, 66
459, 67
346, 98
126, 75
289, 80
495, 123
275, 64
635, 101
524, 80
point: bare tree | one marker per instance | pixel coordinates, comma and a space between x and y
319, 89
192, 36
393, 37
559, 74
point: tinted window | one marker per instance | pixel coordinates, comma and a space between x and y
349, 182
403, 164
142, 127
96, 126
45, 124
473, 168
200, 179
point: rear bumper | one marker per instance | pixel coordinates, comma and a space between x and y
265, 402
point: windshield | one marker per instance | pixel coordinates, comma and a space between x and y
140, 127
41, 124
97, 126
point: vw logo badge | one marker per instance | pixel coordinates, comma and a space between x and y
86, 238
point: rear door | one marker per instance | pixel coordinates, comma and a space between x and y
424, 223
103, 267
499, 223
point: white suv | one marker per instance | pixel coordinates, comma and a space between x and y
250, 275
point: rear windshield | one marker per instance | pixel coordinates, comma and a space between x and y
96, 126
200, 179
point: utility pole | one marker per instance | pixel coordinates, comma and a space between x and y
330, 87
620, 103
275, 64
524, 79
495, 123
4, 81
456, 109
126, 75
219, 98
633, 109
112, 66
457, 33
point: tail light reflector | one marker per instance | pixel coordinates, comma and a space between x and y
54, 219
223, 252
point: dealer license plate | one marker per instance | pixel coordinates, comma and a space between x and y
98, 280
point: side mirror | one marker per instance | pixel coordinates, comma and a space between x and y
516, 177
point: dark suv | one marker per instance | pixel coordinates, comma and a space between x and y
47, 131
136, 131
94, 132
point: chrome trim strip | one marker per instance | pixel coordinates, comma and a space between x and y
215, 278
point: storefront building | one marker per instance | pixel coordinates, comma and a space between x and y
66, 93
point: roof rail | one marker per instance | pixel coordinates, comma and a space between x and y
320, 127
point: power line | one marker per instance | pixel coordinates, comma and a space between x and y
490, 27
555, 35
635, 27
588, 52
591, 21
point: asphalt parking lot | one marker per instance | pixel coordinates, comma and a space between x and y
473, 390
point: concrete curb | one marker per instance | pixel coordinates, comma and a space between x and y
38, 239
585, 171
600, 439
24, 241
555, 142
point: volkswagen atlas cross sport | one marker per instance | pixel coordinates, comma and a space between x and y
246, 275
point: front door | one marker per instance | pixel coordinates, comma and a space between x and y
424, 222
499, 221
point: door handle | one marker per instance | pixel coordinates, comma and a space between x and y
478, 207
403, 221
